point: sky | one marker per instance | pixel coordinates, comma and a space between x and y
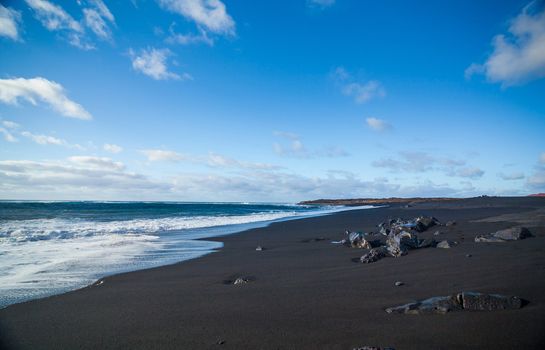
282, 101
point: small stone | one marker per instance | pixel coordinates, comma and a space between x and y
220, 342
468, 255
240, 280
436, 233
450, 223
444, 244
399, 283
259, 248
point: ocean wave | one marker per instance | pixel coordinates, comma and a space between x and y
46, 229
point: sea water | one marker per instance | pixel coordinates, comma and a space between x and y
48, 248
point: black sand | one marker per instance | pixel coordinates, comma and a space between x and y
309, 294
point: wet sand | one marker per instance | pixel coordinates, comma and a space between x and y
308, 294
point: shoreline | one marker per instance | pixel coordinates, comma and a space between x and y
203, 234
305, 294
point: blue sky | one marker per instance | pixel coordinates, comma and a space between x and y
234, 100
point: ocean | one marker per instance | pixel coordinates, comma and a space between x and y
48, 248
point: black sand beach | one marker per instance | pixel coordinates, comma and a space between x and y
309, 294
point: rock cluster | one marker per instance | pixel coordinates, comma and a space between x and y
468, 301
401, 236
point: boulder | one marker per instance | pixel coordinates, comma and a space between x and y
468, 301
445, 244
374, 254
435, 305
489, 302
512, 234
425, 222
488, 239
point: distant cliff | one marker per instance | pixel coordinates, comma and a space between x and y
373, 201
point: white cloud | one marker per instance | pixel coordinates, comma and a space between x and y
213, 160
159, 155
537, 180
187, 39
95, 19
76, 177
511, 176
321, 3
54, 18
97, 162
8, 136
49, 140
378, 124
153, 63
471, 172
208, 14
10, 125
361, 91
44, 139
419, 162
49, 92
9, 23
112, 148
294, 147
519, 55
217, 160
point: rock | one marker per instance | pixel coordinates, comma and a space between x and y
470, 301
240, 280
374, 254
259, 248
488, 239
436, 233
220, 342
512, 234
435, 305
489, 302
425, 222
357, 240
444, 244
450, 223
399, 283
367, 347
468, 255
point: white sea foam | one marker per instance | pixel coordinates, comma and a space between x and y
45, 229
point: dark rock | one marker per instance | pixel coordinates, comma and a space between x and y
435, 305
469, 301
436, 233
512, 234
450, 223
399, 283
366, 347
374, 255
468, 255
425, 222
489, 302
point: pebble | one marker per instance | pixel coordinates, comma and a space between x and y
468, 255
399, 283
259, 248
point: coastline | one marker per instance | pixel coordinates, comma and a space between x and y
305, 294
178, 244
